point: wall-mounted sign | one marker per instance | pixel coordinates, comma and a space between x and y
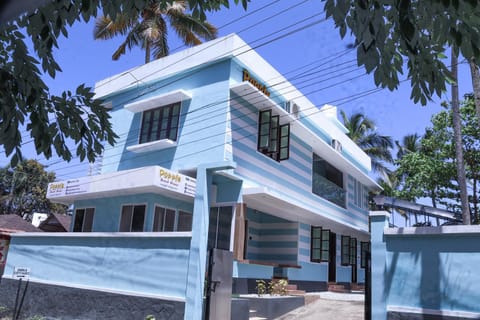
68, 187
257, 84
21, 273
177, 182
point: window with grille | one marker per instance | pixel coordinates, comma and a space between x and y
349, 251
319, 244
160, 123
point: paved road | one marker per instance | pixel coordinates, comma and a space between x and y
330, 306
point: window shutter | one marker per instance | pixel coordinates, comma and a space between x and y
274, 134
264, 123
284, 147
345, 250
325, 251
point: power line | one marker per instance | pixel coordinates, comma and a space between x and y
291, 32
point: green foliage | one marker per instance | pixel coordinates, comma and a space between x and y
363, 132
278, 287
273, 287
24, 189
262, 287
55, 122
148, 29
390, 33
150, 317
430, 171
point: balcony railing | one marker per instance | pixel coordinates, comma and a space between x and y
329, 191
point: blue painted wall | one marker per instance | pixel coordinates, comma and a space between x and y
108, 210
439, 273
425, 271
310, 271
252, 271
109, 262
292, 178
202, 126
271, 238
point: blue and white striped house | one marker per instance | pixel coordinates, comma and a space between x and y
216, 149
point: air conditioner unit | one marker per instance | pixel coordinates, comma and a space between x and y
336, 145
292, 108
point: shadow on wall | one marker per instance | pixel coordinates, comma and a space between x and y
432, 272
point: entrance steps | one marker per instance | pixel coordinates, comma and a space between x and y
292, 290
335, 287
355, 287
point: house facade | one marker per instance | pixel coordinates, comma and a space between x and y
216, 149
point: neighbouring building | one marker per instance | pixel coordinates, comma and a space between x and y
216, 149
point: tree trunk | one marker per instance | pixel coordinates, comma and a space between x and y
457, 132
147, 51
476, 86
475, 200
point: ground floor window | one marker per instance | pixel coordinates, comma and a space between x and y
83, 220
133, 218
319, 244
349, 251
364, 249
166, 219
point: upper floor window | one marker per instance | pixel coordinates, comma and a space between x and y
83, 220
319, 244
360, 195
160, 123
327, 181
166, 219
133, 218
273, 138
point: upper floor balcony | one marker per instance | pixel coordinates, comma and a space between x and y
328, 190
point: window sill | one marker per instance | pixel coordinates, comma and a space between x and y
152, 146
158, 101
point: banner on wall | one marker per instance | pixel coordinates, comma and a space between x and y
68, 187
177, 182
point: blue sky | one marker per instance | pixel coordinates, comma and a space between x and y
292, 36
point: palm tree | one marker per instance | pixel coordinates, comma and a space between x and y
410, 143
362, 131
148, 29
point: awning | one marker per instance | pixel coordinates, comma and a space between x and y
153, 179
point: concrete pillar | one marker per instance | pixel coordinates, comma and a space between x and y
378, 222
198, 246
